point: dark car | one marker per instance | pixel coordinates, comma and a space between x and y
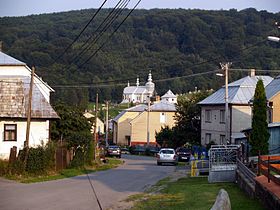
183, 154
114, 150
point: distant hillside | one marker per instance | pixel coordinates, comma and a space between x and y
168, 42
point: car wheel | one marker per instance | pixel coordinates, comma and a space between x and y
159, 164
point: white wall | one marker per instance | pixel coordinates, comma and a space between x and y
39, 131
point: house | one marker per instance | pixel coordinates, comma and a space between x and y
139, 94
272, 92
131, 126
15, 79
240, 93
100, 124
170, 97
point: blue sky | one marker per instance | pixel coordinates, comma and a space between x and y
27, 7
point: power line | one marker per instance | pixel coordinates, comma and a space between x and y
77, 37
111, 34
120, 8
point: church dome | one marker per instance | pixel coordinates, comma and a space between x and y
150, 86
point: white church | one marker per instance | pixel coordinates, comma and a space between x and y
140, 94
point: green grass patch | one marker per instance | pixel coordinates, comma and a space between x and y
194, 194
65, 173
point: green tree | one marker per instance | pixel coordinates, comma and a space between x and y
260, 135
165, 137
187, 129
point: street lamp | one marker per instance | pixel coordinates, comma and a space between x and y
273, 38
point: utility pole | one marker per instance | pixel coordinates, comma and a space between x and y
148, 120
1, 46
26, 143
95, 128
107, 123
225, 68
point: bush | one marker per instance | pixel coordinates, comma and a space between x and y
79, 159
3, 167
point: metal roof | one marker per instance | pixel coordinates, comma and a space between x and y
163, 106
169, 94
135, 89
137, 108
272, 88
6, 60
14, 93
239, 92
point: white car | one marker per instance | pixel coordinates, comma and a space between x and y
167, 155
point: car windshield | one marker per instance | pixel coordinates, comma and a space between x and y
167, 151
113, 147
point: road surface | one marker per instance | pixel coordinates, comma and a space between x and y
111, 186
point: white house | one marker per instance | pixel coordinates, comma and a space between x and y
139, 94
240, 93
15, 79
169, 97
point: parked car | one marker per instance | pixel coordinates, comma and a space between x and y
183, 153
125, 150
167, 155
114, 150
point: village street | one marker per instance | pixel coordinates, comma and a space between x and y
75, 193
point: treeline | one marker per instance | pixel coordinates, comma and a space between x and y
170, 43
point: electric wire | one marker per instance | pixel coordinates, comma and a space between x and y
110, 35
78, 36
108, 22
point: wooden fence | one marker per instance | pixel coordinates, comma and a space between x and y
269, 166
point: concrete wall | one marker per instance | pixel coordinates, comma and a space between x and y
39, 131
239, 119
139, 126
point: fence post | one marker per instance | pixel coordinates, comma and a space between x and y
268, 169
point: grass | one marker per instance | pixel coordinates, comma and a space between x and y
193, 194
65, 173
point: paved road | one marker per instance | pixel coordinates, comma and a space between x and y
76, 193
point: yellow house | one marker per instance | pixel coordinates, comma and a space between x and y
131, 126
272, 91
100, 124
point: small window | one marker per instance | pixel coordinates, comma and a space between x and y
208, 116
222, 116
162, 117
222, 139
10, 132
207, 138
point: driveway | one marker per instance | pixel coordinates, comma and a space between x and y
111, 186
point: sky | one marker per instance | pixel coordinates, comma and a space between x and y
28, 7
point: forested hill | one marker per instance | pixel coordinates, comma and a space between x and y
170, 43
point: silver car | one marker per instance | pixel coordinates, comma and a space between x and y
167, 155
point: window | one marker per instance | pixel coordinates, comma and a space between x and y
207, 138
222, 116
222, 139
162, 117
208, 116
10, 132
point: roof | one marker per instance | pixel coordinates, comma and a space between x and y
272, 88
169, 94
138, 108
135, 90
6, 60
14, 93
239, 92
164, 106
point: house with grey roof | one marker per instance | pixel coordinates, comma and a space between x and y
170, 97
131, 126
139, 94
272, 91
240, 93
15, 79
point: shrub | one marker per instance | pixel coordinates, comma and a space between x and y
3, 167
79, 159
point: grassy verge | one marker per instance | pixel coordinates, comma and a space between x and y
192, 194
65, 173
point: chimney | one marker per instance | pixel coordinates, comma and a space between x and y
252, 72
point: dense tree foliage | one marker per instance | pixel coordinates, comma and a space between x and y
260, 135
187, 127
168, 42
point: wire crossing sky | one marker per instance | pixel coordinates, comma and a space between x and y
28, 7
